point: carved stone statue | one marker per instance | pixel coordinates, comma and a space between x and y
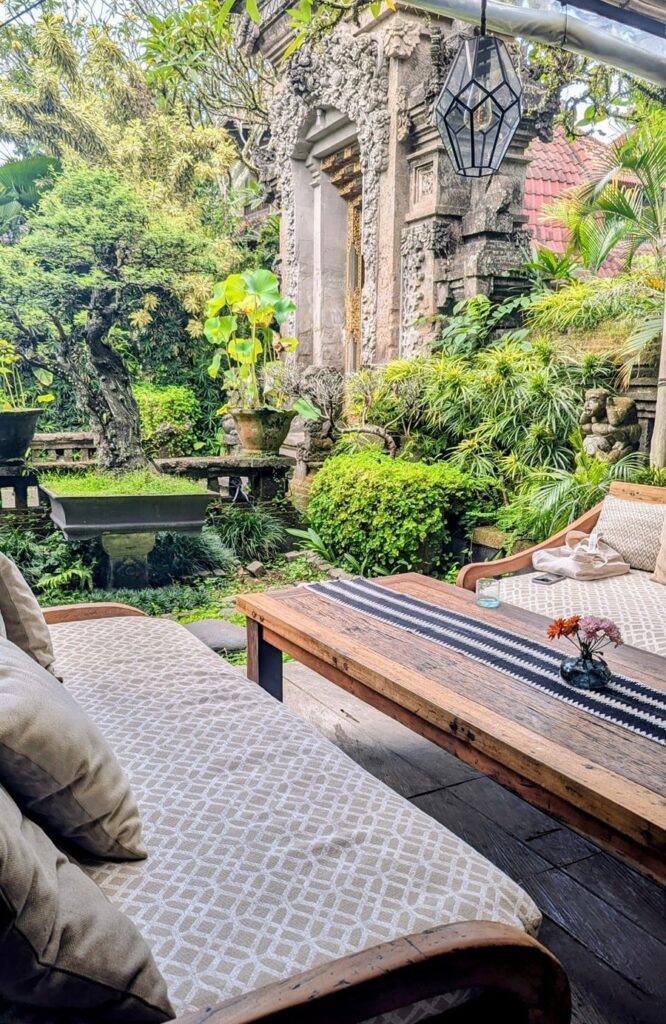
610, 425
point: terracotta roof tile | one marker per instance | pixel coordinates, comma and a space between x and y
555, 167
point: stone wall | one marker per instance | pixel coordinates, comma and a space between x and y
429, 238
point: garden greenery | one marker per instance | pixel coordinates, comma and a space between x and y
96, 484
388, 515
168, 418
496, 412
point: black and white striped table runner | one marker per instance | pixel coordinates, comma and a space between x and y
625, 702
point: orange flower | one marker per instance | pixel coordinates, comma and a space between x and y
563, 627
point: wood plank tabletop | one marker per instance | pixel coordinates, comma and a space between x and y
601, 778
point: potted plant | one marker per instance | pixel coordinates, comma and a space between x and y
18, 415
141, 501
243, 321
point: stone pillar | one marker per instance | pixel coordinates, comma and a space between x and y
299, 285
329, 270
128, 558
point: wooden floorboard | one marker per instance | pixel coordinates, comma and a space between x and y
606, 922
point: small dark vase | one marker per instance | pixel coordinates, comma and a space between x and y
586, 673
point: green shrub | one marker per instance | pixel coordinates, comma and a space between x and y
250, 532
168, 416
180, 555
550, 499
388, 513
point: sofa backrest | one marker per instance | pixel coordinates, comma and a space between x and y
631, 520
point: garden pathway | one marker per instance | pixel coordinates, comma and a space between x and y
605, 922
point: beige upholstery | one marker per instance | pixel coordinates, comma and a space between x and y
632, 601
57, 765
270, 850
23, 621
63, 946
633, 528
660, 568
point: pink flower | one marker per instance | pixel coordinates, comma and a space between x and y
594, 627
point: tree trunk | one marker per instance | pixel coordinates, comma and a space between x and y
658, 446
104, 389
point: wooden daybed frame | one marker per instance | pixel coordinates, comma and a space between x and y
469, 574
523, 982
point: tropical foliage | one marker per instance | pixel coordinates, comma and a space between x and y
622, 211
495, 413
243, 320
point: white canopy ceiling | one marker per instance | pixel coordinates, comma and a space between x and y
594, 28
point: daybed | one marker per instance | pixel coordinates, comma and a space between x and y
631, 519
271, 854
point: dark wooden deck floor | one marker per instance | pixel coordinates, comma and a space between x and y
605, 922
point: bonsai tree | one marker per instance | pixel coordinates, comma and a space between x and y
243, 322
79, 288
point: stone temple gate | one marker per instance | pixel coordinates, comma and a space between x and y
378, 232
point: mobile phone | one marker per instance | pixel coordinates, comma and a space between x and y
546, 578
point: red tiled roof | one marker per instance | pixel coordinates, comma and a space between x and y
555, 167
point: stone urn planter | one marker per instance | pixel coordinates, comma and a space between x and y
94, 515
262, 430
17, 429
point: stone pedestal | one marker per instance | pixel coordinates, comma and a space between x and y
128, 558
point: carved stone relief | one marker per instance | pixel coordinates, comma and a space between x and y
427, 239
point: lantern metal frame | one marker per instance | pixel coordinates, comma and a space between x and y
480, 106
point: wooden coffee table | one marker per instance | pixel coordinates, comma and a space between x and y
599, 778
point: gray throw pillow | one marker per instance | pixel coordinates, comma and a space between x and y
24, 622
633, 528
63, 946
58, 766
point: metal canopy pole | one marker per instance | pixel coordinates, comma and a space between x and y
555, 29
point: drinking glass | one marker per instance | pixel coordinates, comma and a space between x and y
488, 592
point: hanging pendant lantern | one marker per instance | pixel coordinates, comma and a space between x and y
479, 108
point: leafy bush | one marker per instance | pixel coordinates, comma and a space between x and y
152, 600
179, 555
387, 514
551, 499
52, 566
250, 532
494, 413
168, 416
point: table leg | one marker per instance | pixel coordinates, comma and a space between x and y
264, 662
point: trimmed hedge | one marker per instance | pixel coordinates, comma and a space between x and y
388, 513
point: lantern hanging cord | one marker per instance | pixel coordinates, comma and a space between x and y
483, 17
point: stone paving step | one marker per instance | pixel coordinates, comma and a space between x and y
218, 634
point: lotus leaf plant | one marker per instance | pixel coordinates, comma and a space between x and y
243, 321
13, 394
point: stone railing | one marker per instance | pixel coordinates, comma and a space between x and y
235, 477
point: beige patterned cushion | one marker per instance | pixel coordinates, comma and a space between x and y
633, 528
57, 765
660, 568
271, 851
62, 944
632, 600
24, 622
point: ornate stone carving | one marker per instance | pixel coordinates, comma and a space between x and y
344, 72
431, 237
401, 38
610, 425
404, 123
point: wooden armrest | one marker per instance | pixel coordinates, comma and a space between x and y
92, 610
458, 956
469, 574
